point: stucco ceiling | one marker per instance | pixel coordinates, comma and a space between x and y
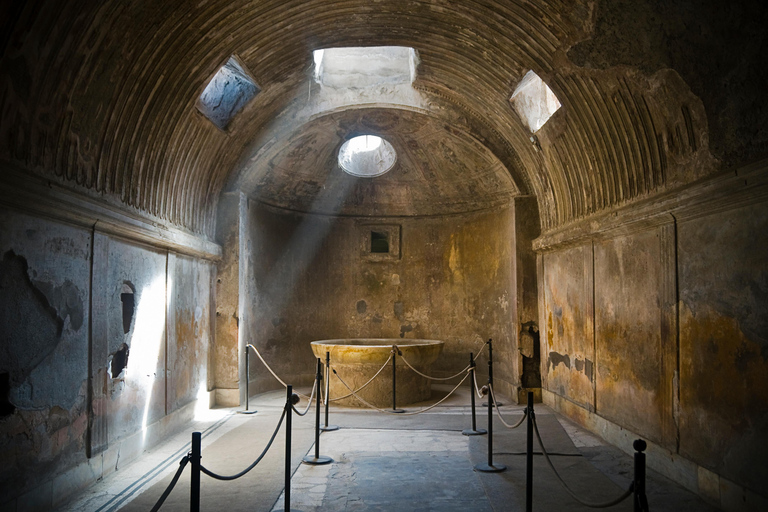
101, 97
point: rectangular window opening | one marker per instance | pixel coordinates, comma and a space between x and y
370, 66
379, 242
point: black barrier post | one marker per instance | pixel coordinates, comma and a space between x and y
247, 382
291, 400
640, 499
318, 459
395, 351
529, 457
473, 431
328, 427
490, 467
490, 370
247, 377
194, 490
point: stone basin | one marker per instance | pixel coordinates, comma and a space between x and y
356, 360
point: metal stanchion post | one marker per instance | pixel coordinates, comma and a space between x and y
473, 431
318, 459
395, 351
490, 369
640, 499
291, 400
247, 382
529, 457
328, 427
194, 490
490, 467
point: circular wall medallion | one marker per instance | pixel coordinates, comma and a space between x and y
367, 156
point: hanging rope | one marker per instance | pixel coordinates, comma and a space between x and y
246, 470
364, 385
309, 402
611, 503
427, 376
182, 464
478, 390
324, 388
270, 370
400, 414
485, 344
498, 413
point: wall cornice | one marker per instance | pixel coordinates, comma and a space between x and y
728, 191
22, 191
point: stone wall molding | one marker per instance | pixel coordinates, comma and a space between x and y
731, 190
45, 198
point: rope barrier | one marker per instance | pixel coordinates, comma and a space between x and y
326, 389
182, 464
498, 413
309, 402
364, 385
405, 413
246, 470
611, 503
427, 376
272, 372
327, 399
478, 390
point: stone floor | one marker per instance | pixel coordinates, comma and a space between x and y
382, 462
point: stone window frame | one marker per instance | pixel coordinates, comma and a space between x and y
394, 238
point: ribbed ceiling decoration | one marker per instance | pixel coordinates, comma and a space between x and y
101, 95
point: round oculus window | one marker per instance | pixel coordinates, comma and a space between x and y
367, 156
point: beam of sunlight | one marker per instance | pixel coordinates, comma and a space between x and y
147, 342
304, 244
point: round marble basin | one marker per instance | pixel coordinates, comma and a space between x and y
356, 360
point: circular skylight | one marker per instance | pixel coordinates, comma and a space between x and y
367, 156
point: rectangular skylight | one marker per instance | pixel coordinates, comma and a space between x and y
358, 67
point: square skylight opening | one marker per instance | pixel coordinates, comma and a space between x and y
228, 92
534, 101
365, 66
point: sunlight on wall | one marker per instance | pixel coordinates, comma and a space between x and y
147, 342
202, 410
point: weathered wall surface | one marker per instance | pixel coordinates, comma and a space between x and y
312, 278
568, 353
189, 329
224, 367
135, 394
658, 326
44, 316
723, 275
628, 377
74, 300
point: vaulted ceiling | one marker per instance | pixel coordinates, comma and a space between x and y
101, 97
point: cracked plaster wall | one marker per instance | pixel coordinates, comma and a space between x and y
53, 321
44, 286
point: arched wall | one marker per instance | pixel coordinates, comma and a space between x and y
313, 277
648, 161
